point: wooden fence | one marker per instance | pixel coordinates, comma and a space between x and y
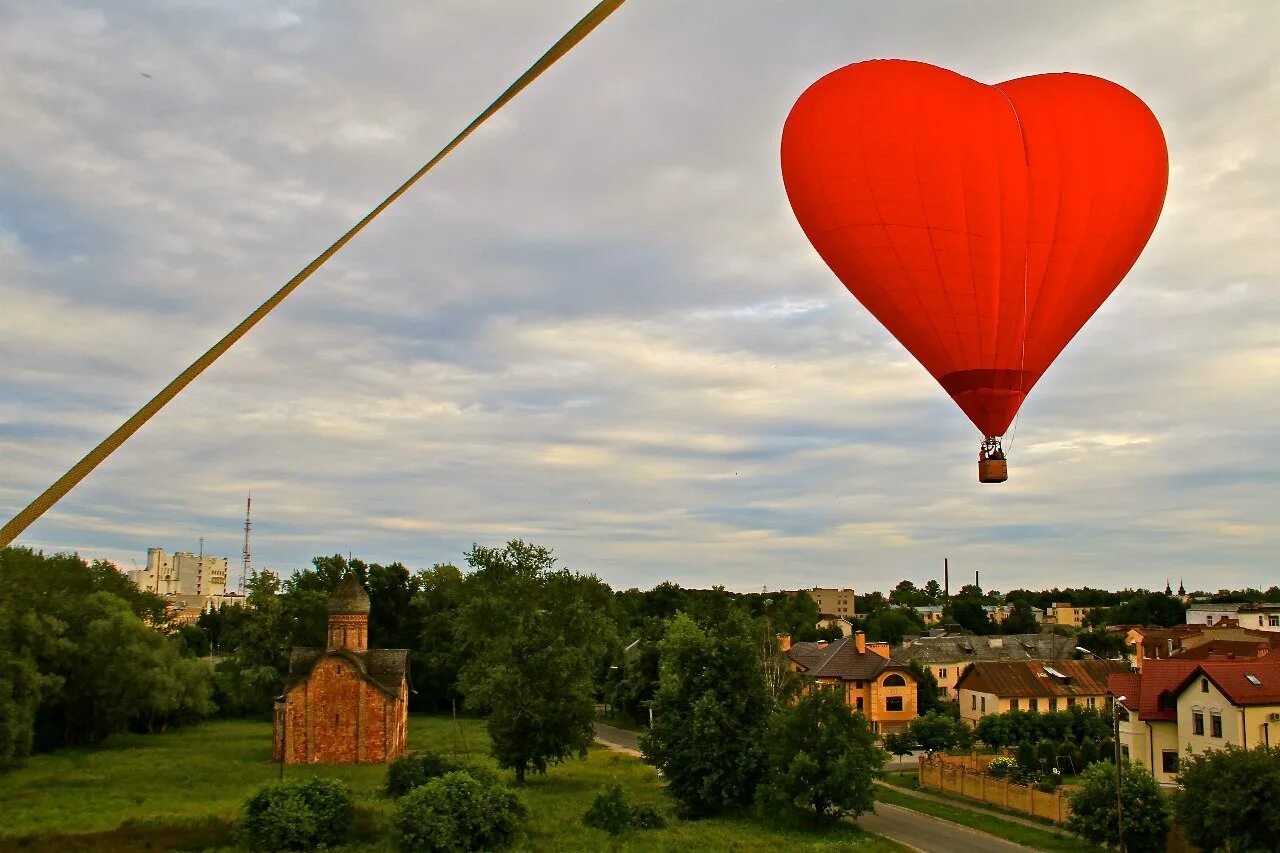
954, 777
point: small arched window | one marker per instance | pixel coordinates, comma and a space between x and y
895, 680
1204, 685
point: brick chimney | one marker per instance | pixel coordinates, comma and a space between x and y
349, 616
860, 642
784, 640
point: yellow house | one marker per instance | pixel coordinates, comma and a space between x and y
1224, 702
872, 683
993, 687
1065, 614
947, 657
1148, 714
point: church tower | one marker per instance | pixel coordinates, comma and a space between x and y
349, 616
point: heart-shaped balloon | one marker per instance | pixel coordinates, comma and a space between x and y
982, 225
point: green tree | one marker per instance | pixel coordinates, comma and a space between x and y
1103, 643
1146, 812
1230, 799
968, 612
710, 713
899, 743
927, 698
890, 625
821, 758
534, 635
1143, 608
1021, 619
936, 732
437, 655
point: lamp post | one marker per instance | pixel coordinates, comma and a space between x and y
1086, 651
1115, 719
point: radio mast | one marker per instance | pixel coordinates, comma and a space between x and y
248, 523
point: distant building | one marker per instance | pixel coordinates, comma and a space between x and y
993, 687
1264, 616
947, 656
183, 573
872, 684
346, 703
833, 602
186, 609
1065, 614
930, 614
1147, 643
1212, 613
826, 621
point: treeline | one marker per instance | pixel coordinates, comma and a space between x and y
81, 659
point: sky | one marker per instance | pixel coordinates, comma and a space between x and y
596, 325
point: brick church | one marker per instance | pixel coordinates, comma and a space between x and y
347, 703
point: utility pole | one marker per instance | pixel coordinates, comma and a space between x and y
1115, 720
244, 568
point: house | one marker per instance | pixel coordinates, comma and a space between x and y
930, 614
346, 703
1213, 613
947, 656
993, 687
1146, 643
1267, 617
1224, 702
826, 620
872, 684
1148, 716
1065, 614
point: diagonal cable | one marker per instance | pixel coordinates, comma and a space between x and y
81, 469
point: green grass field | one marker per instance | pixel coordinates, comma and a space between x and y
193, 781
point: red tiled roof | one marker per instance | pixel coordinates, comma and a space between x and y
1232, 678
1029, 678
840, 659
1219, 649
1158, 676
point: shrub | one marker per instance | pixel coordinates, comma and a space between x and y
1027, 756
297, 815
612, 812
1093, 808
462, 810
1047, 754
415, 770
1088, 754
1000, 767
1230, 799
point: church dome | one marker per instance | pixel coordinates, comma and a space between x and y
349, 597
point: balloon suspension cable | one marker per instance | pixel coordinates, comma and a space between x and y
990, 448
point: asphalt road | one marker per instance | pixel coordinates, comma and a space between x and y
918, 831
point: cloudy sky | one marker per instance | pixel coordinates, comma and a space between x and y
597, 325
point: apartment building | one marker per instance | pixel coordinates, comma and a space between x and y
1065, 614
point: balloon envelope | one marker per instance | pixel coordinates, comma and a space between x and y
981, 225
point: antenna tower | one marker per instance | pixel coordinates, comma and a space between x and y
248, 523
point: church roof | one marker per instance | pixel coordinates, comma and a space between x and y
349, 597
385, 668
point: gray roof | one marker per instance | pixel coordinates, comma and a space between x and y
349, 597
954, 649
838, 659
385, 668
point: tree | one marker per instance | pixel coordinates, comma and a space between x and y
1103, 643
710, 713
935, 732
967, 610
534, 634
899, 743
1021, 619
932, 592
437, 654
1146, 813
1145, 608
905, 594
1230, 799
927, 698
891, 625
821, 758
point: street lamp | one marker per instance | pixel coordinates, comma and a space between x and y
1116, 705
1086, 651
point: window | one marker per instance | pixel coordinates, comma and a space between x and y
1071, 701
895, 680
1013, 704
942, 691
1204, 685
1197, 723
1215, 725
859, 704
984, 704
1124, 752
974, 698
942, 673
1033, 704
1091, 702
893, 703
1053, 703
1274, 620
1169, 761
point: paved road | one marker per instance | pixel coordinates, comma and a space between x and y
611, 736
930, 835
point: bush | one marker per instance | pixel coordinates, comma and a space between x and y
297, 815
1027, 757
462, 810
1093, 808
1001, 767
1230, 799
1047, 754
415, 770
612, 812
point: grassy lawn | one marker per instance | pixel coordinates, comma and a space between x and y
197, 778
1040, 839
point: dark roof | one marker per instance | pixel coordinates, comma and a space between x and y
1235, 678
1219, 649
385, 668
839, 659
1033, 678
1145, 692
349, 597
974, 648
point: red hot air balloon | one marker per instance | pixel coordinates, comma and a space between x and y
981, 225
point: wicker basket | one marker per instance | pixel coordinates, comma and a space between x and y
992, 470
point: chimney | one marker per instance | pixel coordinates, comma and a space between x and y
860, 642
784, 640
946, 581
